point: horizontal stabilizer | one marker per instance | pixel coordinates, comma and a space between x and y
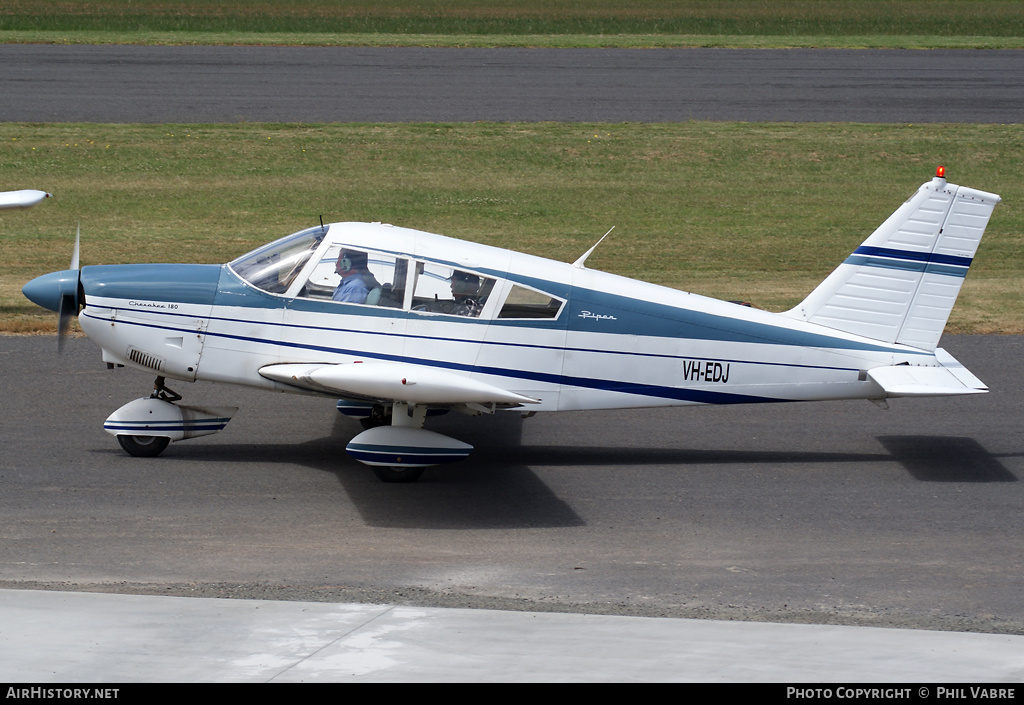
392, 381
948, 379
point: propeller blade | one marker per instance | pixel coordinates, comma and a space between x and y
69, 302
68, 310
74, 253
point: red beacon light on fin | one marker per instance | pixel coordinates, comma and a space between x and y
941, 172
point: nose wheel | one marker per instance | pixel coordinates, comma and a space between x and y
150, 446
143, 446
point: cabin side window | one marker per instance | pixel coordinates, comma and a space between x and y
529, 303
352, 275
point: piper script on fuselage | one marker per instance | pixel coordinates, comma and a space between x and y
597, 316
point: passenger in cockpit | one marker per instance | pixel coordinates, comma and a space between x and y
356, 280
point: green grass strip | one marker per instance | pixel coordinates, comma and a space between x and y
760, 212
570, 23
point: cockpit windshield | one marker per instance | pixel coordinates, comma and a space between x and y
273, 267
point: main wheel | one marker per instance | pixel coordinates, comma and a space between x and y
387, 474
143, 446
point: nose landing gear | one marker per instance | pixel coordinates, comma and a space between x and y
145, 427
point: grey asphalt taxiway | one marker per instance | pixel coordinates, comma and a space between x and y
567, 547
45, 83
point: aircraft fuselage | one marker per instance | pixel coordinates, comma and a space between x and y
613, 342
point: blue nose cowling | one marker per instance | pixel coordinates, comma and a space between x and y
48, 289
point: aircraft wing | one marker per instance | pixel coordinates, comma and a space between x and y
950, 378
393, 381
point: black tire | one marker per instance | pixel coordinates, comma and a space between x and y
143, 446
388, 474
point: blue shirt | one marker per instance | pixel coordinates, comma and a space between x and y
352, 290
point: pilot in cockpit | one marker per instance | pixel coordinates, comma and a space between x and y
356, 279
465, 292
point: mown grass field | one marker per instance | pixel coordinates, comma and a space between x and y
891, 23
760, 212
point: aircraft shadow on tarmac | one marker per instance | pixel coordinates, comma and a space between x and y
469, 495
497, 487
926, 458
946, 459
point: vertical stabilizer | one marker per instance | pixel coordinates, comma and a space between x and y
900, 285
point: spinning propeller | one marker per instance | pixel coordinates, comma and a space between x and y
69, 300
60, 292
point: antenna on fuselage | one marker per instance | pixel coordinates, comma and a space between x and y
581, 260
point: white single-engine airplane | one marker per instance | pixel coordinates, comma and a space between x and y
399, 323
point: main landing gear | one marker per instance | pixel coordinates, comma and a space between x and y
401, 450
396, 446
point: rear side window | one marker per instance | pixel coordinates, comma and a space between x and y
456, 292
529, 303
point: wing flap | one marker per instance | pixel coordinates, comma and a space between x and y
950, 378
414, 384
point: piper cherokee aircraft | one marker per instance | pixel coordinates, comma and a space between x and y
399, 324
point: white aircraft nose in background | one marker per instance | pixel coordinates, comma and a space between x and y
25, 198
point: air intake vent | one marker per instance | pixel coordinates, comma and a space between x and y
144, 359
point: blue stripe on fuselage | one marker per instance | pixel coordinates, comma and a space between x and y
198, 284
619, 386
205, 284
450, 339
632, 317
